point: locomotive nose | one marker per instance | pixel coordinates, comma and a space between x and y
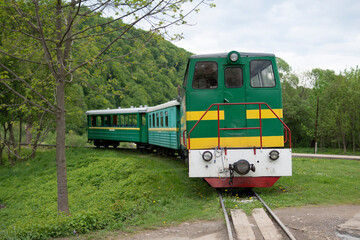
242, 167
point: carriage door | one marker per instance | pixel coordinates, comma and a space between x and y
143, 128
234, 92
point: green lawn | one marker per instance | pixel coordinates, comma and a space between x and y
129, 190
108, 189
313, 182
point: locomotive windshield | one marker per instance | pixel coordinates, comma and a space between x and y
205, 75
233, 77
262, 74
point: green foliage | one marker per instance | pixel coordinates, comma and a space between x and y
107, 190
338, 110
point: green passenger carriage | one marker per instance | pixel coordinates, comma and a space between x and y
109, 127
227, 121
164, 125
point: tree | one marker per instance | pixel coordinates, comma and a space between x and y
295, 104
60, 36
352, 77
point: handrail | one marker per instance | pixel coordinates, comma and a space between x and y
183, 135
260, 121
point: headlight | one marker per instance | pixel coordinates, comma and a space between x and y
233, 57
207, 156
274, 155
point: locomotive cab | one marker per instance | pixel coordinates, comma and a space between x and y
231, 125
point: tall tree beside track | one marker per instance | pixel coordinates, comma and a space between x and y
47, 34
352, 77
296, 105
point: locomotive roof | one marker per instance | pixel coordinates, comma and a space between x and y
117, 111
224, 55
164, 105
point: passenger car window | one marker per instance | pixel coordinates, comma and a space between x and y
93, 121
205, 75
106, 121
166, 119
261, 73
233, 77
161, 119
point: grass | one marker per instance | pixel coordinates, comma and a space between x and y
129, 190
335, 151
108, 189
313, 182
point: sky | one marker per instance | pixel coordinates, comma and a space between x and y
307, 34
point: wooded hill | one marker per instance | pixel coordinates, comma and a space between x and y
325, 110
137, 70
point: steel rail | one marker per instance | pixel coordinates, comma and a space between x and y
282, 226
227, 221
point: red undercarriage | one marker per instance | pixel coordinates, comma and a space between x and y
245, 182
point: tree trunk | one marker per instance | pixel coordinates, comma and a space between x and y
353, 140
28, 128
1, 158
12, 145
1, 149
35, 144
344, 140
316, 124
63, 205
20, 132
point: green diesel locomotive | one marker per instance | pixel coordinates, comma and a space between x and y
226, 122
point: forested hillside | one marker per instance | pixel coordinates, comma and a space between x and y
141, 68
323, 108
149, 76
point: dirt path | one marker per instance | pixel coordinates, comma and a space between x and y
316, 222
305, 223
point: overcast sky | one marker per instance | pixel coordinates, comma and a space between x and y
307, 34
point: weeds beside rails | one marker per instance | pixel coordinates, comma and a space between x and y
108, 189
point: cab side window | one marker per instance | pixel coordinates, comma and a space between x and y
233, 77
262, 74
205, 75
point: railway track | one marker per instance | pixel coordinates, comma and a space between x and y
262, 226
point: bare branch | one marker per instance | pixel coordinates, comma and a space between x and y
22, 59
27, 100
116, 39
69, 27
25, 33
47, 53
109, 22
28, 86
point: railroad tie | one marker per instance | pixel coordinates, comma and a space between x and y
242, 225
266, 226
243, 228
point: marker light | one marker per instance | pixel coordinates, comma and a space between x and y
207, 156
274, 155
